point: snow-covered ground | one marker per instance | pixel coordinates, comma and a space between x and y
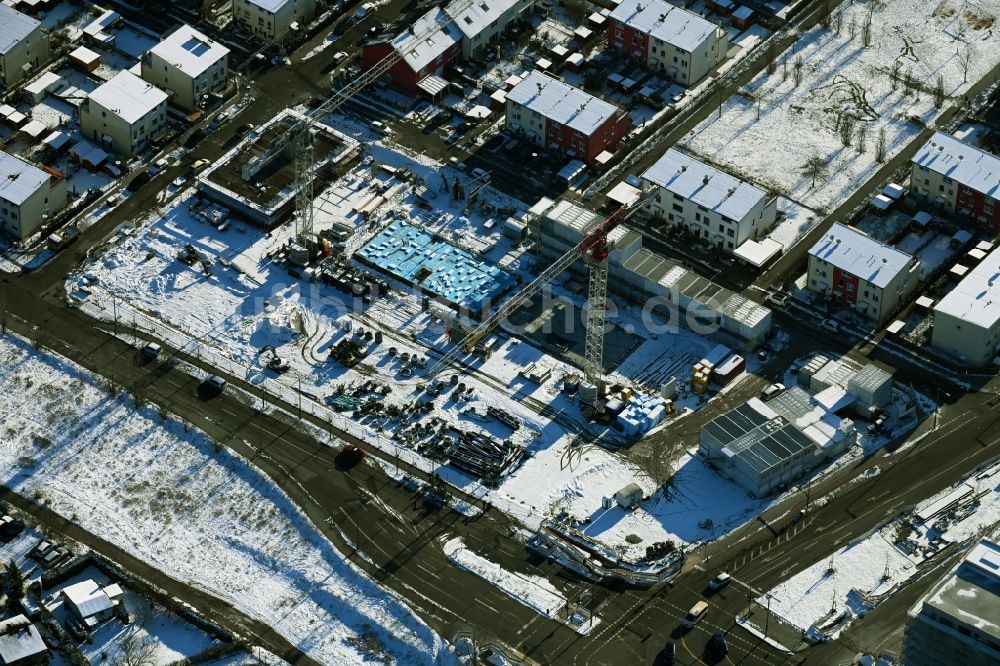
840, 77
852, 580
161, 491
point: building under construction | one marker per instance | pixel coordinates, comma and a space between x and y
256, 178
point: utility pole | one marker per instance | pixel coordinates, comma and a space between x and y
767, 619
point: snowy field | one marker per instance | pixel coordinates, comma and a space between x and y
161, 491
834, 591
840, 79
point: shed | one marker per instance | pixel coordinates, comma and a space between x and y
624, 194
895, 327
583, 33
544, 64
575, 61
961, 237
958, 270
925, 302
758, 254
597, 20
881, 203
721, 7
894, 191
498, 100
57, 141
46, 83
85, 59
922, 218
21, 643
35, 129
742, 18
629, 496
728, 370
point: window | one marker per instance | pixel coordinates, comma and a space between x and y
678, 197
731, 233
697, 216
678, 208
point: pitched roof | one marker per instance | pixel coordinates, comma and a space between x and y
976, 299
14, 26
974, 168
473, 19
19, 639
128, 96
860, 255
420, 53
269, 5
704, 185
670, 24
190, 51
562, 102
18, 179
88, 598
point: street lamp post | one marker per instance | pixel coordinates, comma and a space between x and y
767, 618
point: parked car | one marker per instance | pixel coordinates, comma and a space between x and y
831, 325
379, 126
717, 645
457, 164
42, 548
771, 391
480, 173
200, 164
179, 182
339, 57
363, 11
138, 181
669, 654
719, 581
212, 386
56, 557
10, 528
149, 352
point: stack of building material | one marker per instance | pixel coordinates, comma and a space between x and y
642, 413
482, 456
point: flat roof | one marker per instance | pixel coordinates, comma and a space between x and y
658, 18
14, 26
18, 179
860, 255
959, 161
976, 299
128, 96
479, 14
758, 253
83, 54
971, 593
705, 185
190, 51
562, 102
418, 53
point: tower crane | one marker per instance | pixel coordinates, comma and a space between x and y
301, 135
595, 248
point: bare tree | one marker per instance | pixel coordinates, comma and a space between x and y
862, 137
136, 649
852, 28
866, 33
784, 69
827, 14
797, 73
846, 122
838, 22
939, 92
965, 57
894, 77
814, 168
880, 146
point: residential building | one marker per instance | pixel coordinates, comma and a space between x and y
676, 297
24, 46
967, 319
483, 22
711, 204
958, 621
667, 39
959, 178
433, 54
861, 273
557, 116
765, 446
29, 196
272, 19
91, 603
21, 643
188, 66
124, 114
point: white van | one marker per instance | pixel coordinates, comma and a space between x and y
694, 615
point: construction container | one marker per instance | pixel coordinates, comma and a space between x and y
587, 393
728, 370
807, 371
715, 356
614, 407
697, 369
668, 390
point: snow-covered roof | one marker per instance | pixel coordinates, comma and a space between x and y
190, 51
976, 299
83, 54
562, 103
19, 639
420, 53
658, 18
705, 185
860, 255
88, 598
128, 96
18, 179
971, 593
269, 5
473, 19
14, 26
974, 168
758, 253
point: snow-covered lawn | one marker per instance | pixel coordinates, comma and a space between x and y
831, 597
161, 491
842, 78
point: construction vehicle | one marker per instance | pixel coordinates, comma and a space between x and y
594, 248
190, 256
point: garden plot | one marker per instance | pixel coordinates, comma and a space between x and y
161, 491
829, 89
827, 596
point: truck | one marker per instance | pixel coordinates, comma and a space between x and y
58, 240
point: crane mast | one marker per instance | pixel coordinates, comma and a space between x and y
596, 248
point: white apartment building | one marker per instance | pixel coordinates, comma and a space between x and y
23, 46
483, 21
124, 114
956, 622
28, 196
667, 39
187, 65
861, 273
967, 319
272, 19
709, 203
